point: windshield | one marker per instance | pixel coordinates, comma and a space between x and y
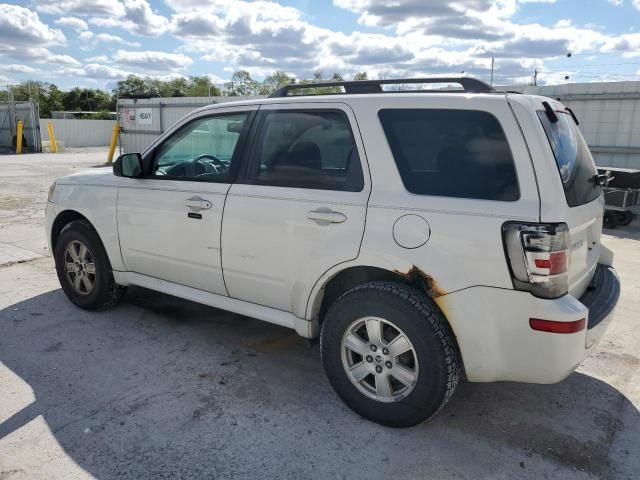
574, 161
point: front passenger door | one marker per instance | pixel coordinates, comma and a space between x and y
169, 221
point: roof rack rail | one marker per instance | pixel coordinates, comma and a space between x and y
470, 85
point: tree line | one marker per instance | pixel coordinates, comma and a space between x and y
100, 103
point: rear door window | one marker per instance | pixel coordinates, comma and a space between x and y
451, 153
306, 149
573, 158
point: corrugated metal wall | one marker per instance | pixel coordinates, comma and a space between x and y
609, 115
143, 120
10, 114
79, 133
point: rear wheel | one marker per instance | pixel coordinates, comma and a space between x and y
389, 353
83, 268
624, 218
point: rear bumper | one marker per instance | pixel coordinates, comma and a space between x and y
497, 342
600, 298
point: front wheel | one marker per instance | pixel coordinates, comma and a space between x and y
83, 268
389, 353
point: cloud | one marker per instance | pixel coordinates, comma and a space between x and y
17, 68
36, 54
77, 24
622, 43
95, 70
19, 25
196, 24
107, 8
113, 39
527, 48
406, 38
153, 61
137, 18
98, 59
385, 13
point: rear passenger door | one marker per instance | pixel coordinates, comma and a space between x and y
299, 207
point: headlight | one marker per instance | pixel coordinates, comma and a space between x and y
52, 189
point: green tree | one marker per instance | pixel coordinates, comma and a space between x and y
201, 86
136, 87
274, 81
361, 76
318, 78
86, 99
50, 99
241, 84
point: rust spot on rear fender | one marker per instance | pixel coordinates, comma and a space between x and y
425, 281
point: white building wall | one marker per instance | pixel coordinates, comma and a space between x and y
79, 133
609, 115
143, 120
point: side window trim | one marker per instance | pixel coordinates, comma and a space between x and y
250, 158
149, 160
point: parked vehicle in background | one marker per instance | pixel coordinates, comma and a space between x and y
418, 234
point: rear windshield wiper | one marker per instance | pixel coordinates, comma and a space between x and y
551, 114
573, 115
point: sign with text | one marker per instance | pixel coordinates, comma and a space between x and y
144, 116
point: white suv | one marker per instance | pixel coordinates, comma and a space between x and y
418, 233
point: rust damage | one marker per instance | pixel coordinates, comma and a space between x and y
427, 282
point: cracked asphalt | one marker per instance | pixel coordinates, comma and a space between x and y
164, 388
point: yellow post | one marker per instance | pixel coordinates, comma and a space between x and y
114, 141
52, 138
19, 137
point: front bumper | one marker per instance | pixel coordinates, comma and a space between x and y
497, 343
49, 218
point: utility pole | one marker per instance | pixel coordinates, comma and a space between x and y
492, 62
535, 77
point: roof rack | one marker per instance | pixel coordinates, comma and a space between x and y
469, 85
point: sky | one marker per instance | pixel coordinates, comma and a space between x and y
94, 43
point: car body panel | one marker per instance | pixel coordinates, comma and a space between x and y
265, 268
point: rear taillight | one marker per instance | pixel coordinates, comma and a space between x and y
538, 255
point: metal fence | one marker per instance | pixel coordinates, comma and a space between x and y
10, 114
143, 120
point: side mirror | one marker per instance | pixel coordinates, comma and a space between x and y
128, 165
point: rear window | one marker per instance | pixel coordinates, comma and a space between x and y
451, 153
574, 161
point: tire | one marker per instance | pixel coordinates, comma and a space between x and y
624, 218
104, 291
609, 219
434, 360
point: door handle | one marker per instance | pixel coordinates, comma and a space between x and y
325, 216
197, 203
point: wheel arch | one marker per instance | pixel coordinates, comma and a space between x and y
340, 280
63, 219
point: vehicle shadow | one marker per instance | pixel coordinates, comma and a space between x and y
631, 231
165, 388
